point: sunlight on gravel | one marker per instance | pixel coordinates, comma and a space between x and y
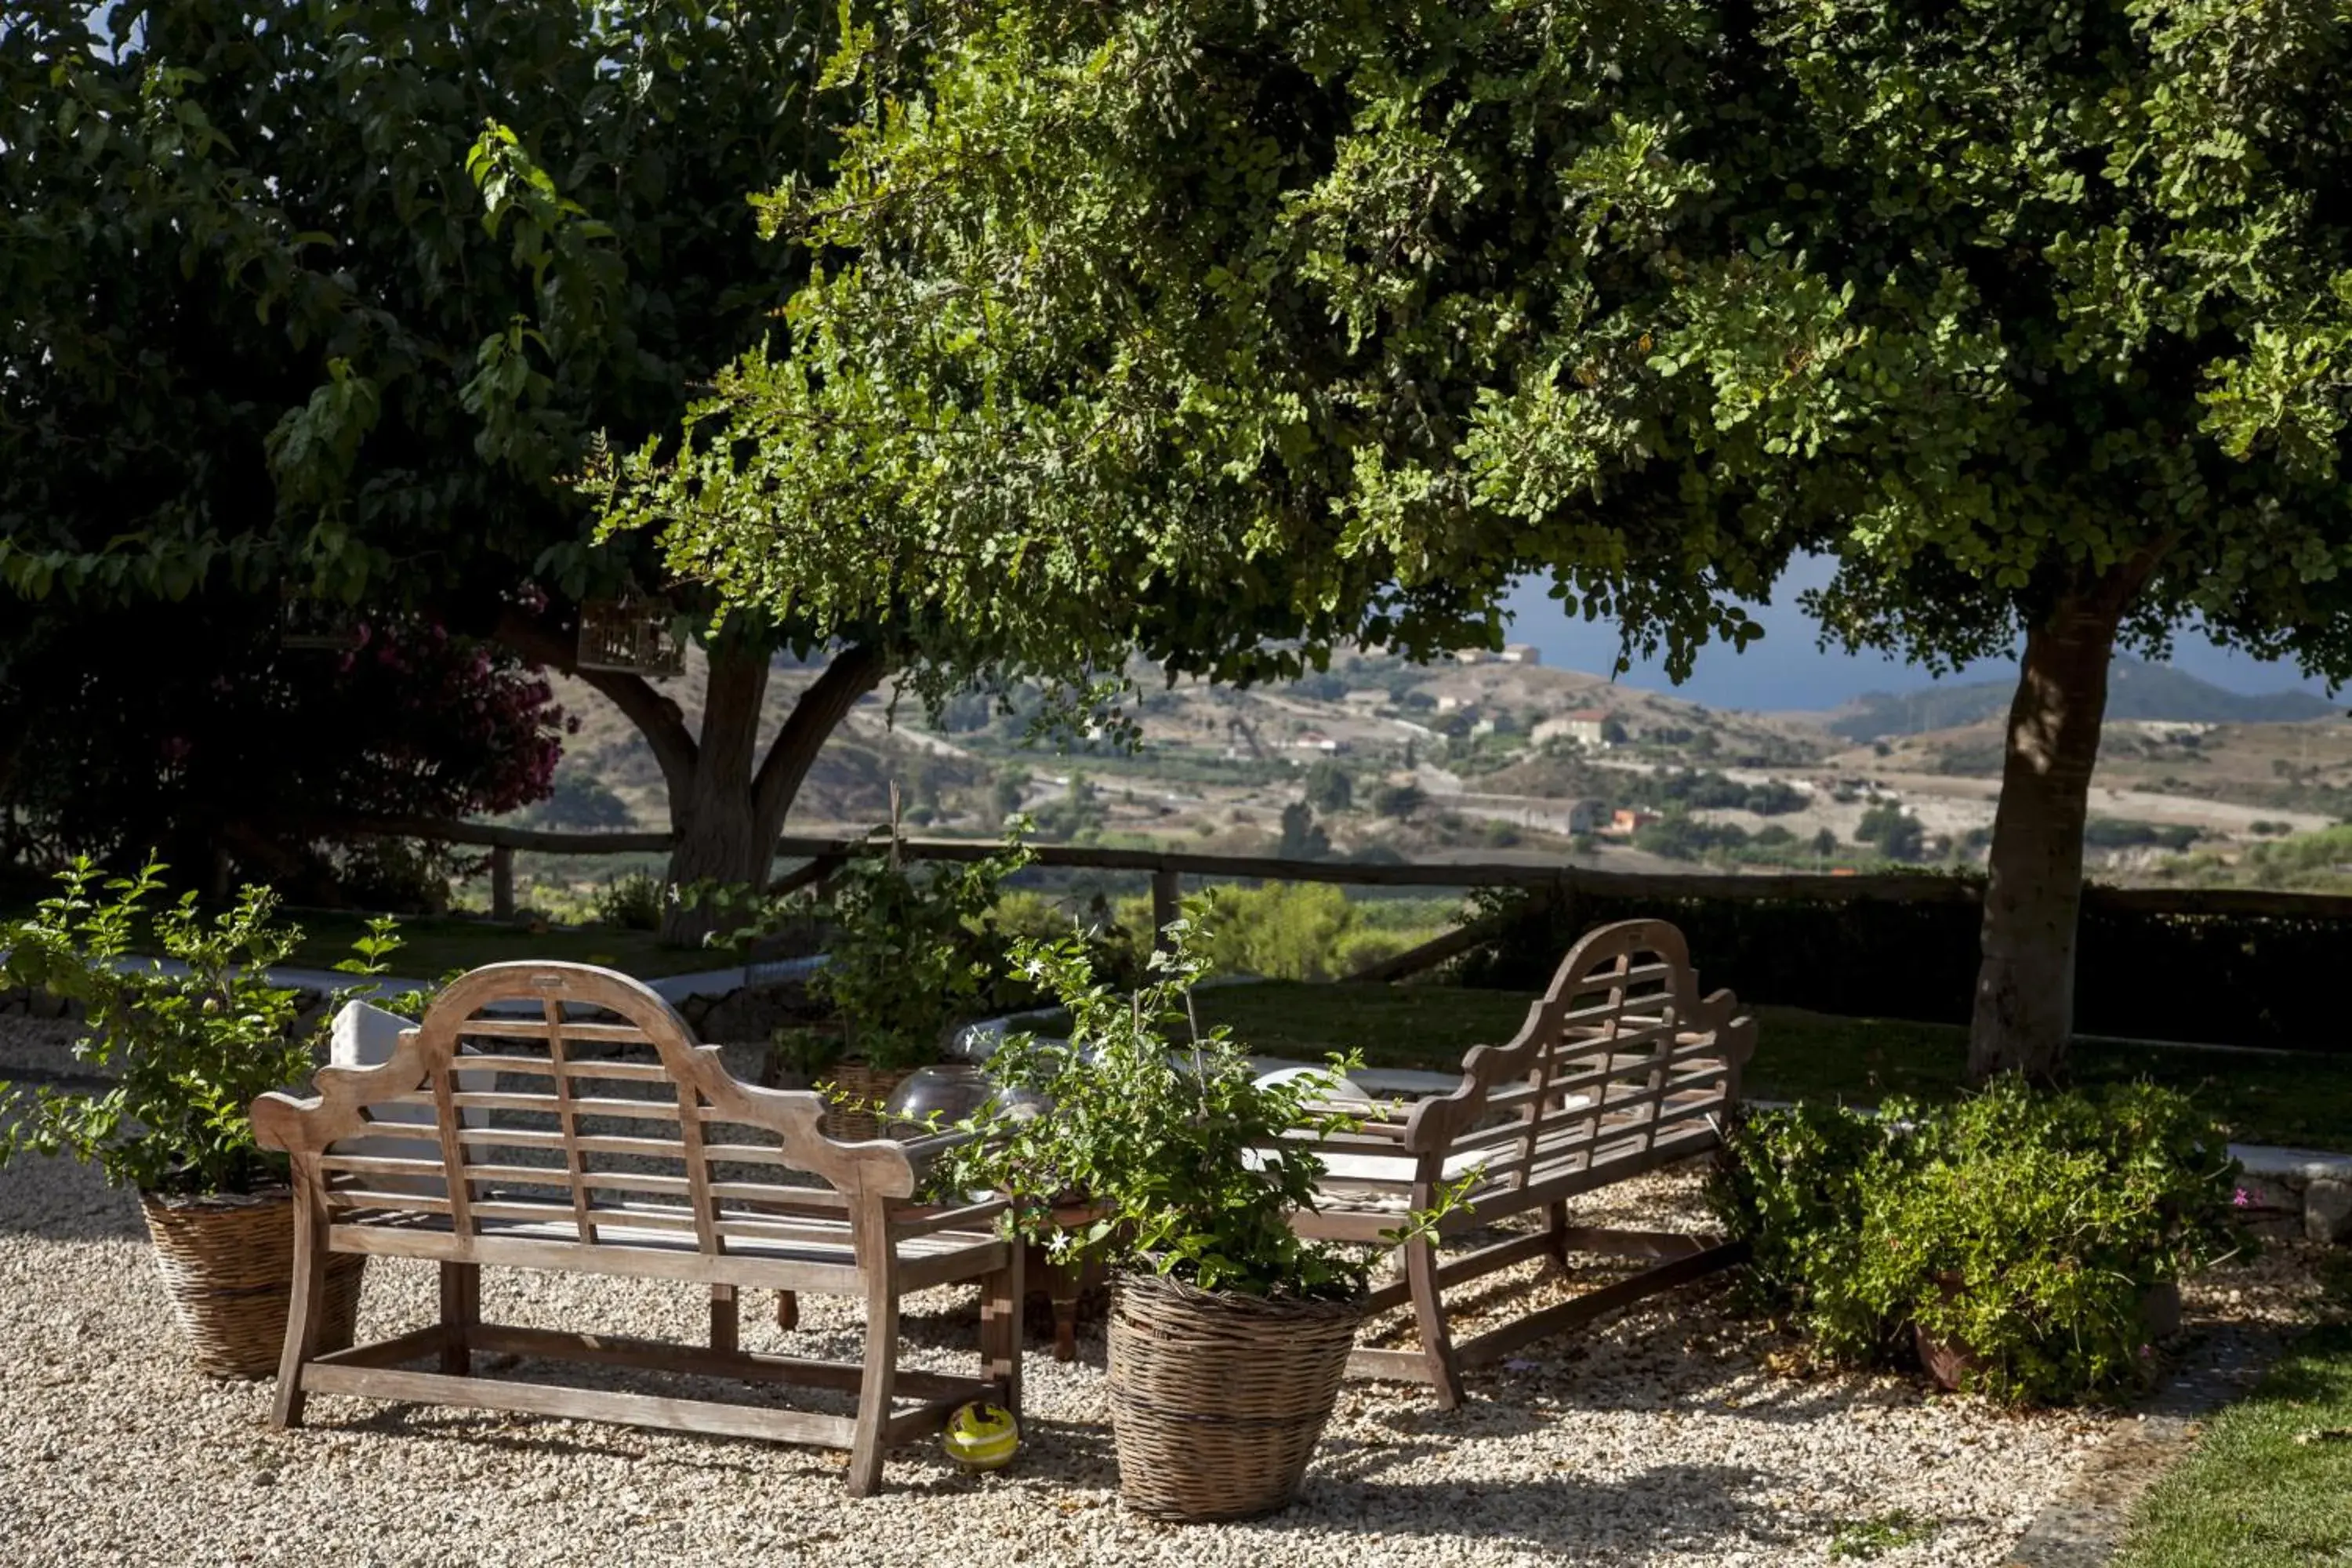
1661, 1435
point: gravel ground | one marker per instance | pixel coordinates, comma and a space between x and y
1673, 1432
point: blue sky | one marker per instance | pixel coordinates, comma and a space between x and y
1787, 671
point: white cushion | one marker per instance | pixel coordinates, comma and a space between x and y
1335, 1087
365, 1035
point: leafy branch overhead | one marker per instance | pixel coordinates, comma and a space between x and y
1335, 321
1983, 302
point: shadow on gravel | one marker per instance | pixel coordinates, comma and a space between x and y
1575, 1520
1055, 1454
57, 1200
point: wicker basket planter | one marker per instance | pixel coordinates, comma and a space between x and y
857, 1089
229, 1264
1951, 1364
1216, 1400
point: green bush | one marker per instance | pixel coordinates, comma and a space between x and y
2027, 1228
911, 952
1917, 958
1794, 1186
2118, 833
1117, 934
186, 1053
633, 902
1284, 930
1685, 838
1893, 830
1359, 949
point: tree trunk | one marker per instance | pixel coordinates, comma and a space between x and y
718, 834
730, 814
2025, 983
726, 804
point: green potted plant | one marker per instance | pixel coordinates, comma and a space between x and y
909, 954
1168, 1161
184, 1050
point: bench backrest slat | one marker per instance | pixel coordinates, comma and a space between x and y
1620, 1054
601, 1111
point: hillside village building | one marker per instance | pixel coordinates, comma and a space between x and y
1586, 727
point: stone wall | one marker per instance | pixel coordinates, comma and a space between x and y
2290, 1193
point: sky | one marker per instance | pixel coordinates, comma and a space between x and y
1786, 671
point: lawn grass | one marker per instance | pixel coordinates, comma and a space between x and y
433, 946
2301, 1100
2270, 1483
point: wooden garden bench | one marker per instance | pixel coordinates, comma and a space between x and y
607, 1142
1621, 1067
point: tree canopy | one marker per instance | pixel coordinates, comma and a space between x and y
2036, 321
279, 310
328, 300
341, 299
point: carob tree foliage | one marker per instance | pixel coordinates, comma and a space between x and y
2034, 318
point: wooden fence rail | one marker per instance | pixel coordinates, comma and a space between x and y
1168, 867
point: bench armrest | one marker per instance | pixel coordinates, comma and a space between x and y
927, 1221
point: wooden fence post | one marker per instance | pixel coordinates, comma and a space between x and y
1166, 905
501, 883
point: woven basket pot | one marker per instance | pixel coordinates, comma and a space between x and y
1216, 1400
862, 1087
229, 1264
1951, 1364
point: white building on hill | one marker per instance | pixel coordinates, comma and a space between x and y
1586, 726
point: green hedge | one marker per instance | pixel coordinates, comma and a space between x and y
2230, 980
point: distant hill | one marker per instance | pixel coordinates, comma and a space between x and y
2135, 689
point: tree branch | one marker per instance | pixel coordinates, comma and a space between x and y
656, 716
855, 671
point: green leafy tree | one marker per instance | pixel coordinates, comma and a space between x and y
1330, 789
276, 310
1010, 789
1303, 838
1896, 832
339, 300
2038, 322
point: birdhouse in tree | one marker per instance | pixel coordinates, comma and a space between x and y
630, 636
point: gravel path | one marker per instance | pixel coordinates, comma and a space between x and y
1663, 1434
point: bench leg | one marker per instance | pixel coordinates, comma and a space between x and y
868, 1445
723, 1318
305, 1314
461, 1309
1444, 1372
1556, 1230
1001, 1299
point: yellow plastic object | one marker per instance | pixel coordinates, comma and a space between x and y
981, 1437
